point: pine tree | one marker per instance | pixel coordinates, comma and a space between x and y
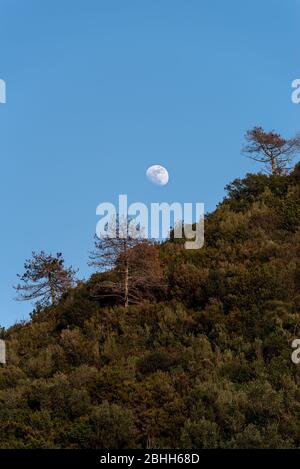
271, 149
134, 260
45, 279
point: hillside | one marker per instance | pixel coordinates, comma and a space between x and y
206, 363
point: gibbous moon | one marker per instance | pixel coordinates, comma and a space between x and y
158, 175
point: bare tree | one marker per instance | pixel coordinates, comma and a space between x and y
45, 279
135, 263
271, 149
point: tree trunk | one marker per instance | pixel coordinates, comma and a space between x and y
52, 289
126, 285
273, 166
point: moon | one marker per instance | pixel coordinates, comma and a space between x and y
158, 175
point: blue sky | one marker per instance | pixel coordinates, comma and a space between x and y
99, 90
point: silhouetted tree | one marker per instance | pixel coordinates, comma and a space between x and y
45, 278
271, 149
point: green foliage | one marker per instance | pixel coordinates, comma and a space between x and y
206, 365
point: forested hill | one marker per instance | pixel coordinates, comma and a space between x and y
202, 360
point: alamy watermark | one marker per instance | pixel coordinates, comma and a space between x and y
2, 342
2, 352
296, 353
296, 93
154, 223
2, 92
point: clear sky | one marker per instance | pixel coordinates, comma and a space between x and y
98, 90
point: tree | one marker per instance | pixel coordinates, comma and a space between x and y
271, 149
45, 279
133, 260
